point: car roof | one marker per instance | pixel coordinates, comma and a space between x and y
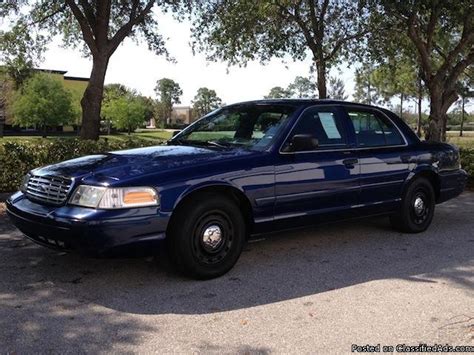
303, 102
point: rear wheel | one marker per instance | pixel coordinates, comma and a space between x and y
417, 207
206, 236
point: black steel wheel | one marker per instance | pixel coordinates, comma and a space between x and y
206, 236
416, 208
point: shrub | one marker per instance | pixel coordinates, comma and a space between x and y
467, 161
17, 158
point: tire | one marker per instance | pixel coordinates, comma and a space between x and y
206, 236
417, 207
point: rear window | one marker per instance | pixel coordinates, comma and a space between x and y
373, 130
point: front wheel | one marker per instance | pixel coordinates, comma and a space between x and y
417, 207
207, 236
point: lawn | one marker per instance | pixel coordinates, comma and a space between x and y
466, 141
158, 135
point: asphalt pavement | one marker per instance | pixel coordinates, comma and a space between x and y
317, 290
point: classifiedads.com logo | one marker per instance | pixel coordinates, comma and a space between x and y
404, 348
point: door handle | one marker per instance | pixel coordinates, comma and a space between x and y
350, 163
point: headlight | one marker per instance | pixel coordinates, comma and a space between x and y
109, 198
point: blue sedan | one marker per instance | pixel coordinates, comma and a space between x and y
242, 170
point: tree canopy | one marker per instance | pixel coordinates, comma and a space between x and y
277, 92
205, 101
303, 88
242, 30
336, 89
169, 93
126, 113
441, 33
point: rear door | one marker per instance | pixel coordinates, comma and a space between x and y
323, 179
382, 153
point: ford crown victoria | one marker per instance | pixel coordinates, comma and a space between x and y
242, 170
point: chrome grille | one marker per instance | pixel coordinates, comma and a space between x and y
49, 189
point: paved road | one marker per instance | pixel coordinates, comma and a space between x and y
316, 290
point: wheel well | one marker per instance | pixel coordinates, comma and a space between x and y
231, 192
433, 178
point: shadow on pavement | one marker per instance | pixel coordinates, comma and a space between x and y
80, 296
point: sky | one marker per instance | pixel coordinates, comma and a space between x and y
136, 67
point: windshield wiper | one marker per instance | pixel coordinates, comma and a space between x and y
199, 143
218, 144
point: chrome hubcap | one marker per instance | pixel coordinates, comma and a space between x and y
212, 237
419, 205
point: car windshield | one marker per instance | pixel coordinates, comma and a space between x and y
251, 126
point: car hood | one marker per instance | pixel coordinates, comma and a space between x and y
127, 164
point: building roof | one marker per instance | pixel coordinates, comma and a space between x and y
51, 71
75, 78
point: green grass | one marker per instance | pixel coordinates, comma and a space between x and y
155, 135
466, 141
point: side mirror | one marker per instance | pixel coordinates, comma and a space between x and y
302, 142
175, 133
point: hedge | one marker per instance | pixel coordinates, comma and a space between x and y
17, 158
467, 162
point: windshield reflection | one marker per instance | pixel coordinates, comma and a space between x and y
250, 126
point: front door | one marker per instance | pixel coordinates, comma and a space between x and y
321, 179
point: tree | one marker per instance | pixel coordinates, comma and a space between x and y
125, 112
465, 89
302, 87
18, 56
205, 101
99, 26
365, 91
336, 89
277, 92
396, 78
169, 93
43, 102
242, 30
441, 33
111, 93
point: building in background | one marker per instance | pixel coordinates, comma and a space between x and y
180, 116
76, 85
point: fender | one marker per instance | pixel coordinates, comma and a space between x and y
421, 169
208, 184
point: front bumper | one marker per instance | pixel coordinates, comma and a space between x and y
87, 230
452, 184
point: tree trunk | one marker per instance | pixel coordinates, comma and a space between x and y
92, 100
462, 117
436, 119
441, 99
322, 89
420, 99
401, 106
45, 131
